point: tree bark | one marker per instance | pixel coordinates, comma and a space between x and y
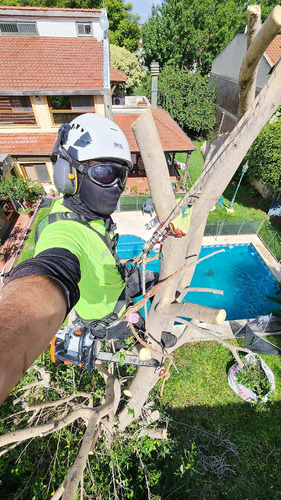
254, 23
248, 72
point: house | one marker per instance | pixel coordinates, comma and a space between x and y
55, 66
225, 73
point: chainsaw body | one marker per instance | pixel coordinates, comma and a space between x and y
78, 346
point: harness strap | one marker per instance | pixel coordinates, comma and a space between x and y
109, 242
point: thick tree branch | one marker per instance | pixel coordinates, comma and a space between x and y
247, 77
73, 478
43, 430
196, 311
254, 23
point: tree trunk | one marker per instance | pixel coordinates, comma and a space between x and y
257, 45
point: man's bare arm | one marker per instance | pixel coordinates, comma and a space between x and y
32, 309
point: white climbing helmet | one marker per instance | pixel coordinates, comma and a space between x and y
91, 136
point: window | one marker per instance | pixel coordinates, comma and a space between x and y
21, 103
18, 28
84, 29
16, 110
66, 108
36, 172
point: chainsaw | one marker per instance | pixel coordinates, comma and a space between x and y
78, 346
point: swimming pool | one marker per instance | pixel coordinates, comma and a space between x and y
239, 271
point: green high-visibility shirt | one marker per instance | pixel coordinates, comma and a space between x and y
101, 283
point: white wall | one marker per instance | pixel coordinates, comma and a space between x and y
59, 26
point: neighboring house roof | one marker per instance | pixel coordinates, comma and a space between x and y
171, 135
117, 76
48, 64
28, 144
273, 51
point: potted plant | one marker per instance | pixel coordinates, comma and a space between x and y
23, 192
142, 102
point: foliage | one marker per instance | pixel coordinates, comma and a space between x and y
127, 62
216, 441
191, 34
264, 156
20, 189
254, 378
188, 97
123, 24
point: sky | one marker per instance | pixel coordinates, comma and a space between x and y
143, 7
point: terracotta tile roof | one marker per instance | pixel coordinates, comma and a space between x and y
273, 51
116, 75
48, 63
28, 144
171, 135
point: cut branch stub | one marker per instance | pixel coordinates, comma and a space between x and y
196, 311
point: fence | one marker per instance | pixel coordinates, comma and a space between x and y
131, 203
224, 227
263, 228
271, 239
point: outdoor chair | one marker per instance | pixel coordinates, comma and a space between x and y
148, 207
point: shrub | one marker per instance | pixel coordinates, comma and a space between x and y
264, 157
20, 190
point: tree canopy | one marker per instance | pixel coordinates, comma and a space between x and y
187, 96
127, 62
264, 156
123, 24
192, 33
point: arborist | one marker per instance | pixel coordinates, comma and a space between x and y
75, 261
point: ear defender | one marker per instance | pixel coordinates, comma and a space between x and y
65, 177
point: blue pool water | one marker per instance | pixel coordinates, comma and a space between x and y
239, 271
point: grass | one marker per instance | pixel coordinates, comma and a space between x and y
196, 161
28, 253
202, 409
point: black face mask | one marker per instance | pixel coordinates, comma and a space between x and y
99, 199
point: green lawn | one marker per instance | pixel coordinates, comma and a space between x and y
196, 161
27, 253
206, 415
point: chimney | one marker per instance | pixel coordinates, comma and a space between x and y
154, 68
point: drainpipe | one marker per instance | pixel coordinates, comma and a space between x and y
104, 24
154, 68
